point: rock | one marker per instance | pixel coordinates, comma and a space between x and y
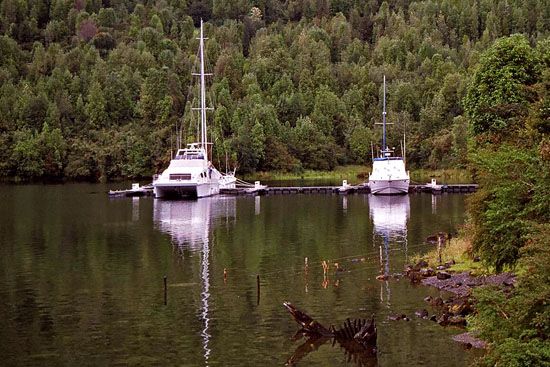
443, 320
428, 299
471, 340
421, 264
431, 239
457, 321
422, 313
427, 272
433, 318
460, 307
441, 275
398, 317
414, 276
437, 302
442, 267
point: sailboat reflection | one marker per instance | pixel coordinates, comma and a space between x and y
189, 224
389, 216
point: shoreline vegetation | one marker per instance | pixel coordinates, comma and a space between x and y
356, 174
457, 251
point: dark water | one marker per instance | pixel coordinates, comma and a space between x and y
81, 277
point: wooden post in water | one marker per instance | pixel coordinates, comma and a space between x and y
165, 292
439, 240
258, 287
381, 262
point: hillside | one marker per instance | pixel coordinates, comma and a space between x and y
100, 89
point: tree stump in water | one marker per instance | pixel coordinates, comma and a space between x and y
357, 337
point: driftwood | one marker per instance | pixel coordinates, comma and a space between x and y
356, 336
309, 326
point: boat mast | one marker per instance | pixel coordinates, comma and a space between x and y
384, 120
203, 95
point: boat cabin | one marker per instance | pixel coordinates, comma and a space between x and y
190, 153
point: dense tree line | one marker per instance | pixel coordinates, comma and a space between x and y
508, 106
100, 89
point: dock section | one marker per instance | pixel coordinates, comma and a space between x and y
350, 189
136, 190
345, 189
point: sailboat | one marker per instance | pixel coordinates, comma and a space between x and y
388, 176
191, 173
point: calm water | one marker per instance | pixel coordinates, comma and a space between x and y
81, 277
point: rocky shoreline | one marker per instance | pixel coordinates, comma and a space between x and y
461, 284
452, 310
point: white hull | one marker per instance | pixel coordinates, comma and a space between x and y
388, 176
188, 189
389, 187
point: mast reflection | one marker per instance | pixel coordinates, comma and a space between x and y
389, 216
189, 223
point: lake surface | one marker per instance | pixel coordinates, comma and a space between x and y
81, 277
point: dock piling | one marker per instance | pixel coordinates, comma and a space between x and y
258, 287
165, 292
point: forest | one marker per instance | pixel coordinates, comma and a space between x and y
100, 90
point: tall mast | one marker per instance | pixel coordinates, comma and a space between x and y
384, 119
203, 95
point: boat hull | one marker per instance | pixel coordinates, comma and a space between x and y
186, 190
389, 187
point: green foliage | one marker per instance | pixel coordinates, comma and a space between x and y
498, 90
26, 158
91, 67
515, 173
359, 144
518, 323
95, 108
515, 353
510, 213
313, 148
107, 17
514, 180
38, 155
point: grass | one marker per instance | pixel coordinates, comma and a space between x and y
357, 173
352, 173
459, 249
446, 176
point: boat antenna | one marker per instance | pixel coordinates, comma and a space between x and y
384, 118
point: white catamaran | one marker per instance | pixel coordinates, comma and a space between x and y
388, 176
191, 173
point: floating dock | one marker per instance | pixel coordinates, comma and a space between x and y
136, 190
348, 189
147, 190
